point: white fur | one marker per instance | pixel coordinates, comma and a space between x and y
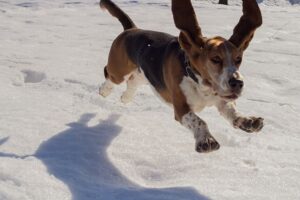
195, 124
133, 80
224, 78
198, 95
228, 111
106, 88
230, 70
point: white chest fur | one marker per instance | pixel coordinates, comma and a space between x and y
197, 95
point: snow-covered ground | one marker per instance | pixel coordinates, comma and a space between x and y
60, 140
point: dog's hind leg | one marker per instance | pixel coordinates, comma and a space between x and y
118, 67
135, 79
106, 87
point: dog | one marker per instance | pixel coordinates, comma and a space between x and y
188, 72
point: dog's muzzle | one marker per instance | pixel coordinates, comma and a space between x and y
235, 82
236, 85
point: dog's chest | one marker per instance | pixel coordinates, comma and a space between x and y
197, 95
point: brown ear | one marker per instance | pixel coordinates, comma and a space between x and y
186, 21
188, 44
249, 22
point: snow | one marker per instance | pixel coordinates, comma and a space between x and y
60, 140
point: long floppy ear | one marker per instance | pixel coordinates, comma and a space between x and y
249, 22
186, 21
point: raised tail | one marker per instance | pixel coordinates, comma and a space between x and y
115, 11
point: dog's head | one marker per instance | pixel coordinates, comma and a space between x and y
217, 59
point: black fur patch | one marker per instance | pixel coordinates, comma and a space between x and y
148, 49
105, 72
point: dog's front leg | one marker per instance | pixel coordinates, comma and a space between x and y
205, 142
248, 124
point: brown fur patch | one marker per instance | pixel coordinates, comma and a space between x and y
119, 65
216, 41
173, 76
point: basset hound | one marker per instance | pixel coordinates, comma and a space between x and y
188, 72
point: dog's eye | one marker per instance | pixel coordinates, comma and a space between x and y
217, 60
238, 60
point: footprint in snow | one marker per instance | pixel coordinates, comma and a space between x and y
31, 76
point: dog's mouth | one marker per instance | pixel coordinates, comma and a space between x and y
227, 95
230, 97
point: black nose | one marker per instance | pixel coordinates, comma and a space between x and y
236, 84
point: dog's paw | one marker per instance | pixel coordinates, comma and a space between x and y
126, 98
105, 91
207, 144
106, 88
249, 124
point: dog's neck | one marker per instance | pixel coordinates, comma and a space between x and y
197, 76
189, 69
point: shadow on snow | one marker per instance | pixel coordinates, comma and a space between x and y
77, 157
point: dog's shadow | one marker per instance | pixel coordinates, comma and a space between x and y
77, 157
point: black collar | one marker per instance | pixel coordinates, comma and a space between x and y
188, 69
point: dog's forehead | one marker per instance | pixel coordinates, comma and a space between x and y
215, 42
221, 45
